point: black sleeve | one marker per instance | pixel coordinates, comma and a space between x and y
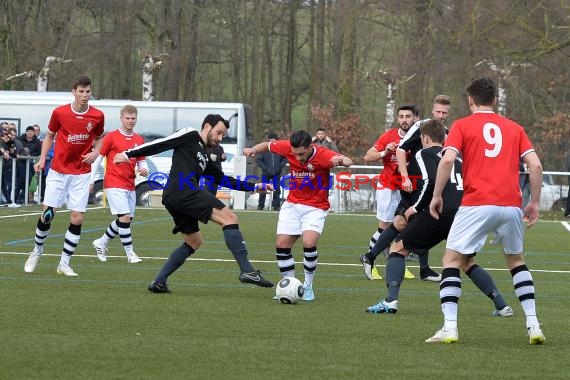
163, 144
427, 162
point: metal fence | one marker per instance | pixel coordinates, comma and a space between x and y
361, 194
12, 177
352, 190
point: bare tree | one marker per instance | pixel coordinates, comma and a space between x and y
150, 66
43, 76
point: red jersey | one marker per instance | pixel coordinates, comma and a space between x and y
310, 182
123, 175
491, 146
76, 133
389, 177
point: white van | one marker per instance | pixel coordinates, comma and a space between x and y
156, 119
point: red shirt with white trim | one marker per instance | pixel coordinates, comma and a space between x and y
123, 175
390, 176
310, 182
491, 147
76, 133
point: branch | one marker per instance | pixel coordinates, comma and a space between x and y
27, 74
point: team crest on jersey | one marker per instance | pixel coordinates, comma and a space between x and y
310, 167
89, 126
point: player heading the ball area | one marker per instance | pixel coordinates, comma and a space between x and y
491, 146
188, 205
77, 129
119, 183
304, 212
423, 232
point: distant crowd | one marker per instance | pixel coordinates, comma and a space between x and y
17, 168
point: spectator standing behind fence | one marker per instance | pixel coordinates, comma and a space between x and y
31, 146
217, 155
323, 140
271, 165
567, 211
8, 151
38, 132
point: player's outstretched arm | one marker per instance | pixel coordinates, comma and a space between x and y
259, 148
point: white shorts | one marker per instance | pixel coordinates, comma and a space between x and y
295, 218
472, 224
121, 201
386, 204
71, 189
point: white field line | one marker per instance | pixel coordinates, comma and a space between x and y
264, 261
39, 213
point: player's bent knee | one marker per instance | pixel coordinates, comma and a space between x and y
224, 216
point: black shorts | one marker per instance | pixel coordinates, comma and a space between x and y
424, 232
405, 203
189, 207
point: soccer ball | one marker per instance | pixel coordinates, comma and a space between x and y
289, 290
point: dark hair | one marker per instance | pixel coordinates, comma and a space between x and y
410, 107
320, 129
213, 119
30, 128
82, 81
483, 91
435, 129
300, 139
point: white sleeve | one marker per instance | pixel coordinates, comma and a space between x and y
94, 167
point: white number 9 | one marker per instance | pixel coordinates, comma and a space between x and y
492, 135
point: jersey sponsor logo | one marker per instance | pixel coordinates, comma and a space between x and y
202, 160
78, 138
301, 175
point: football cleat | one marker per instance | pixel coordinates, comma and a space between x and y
504, 312
157, 287
535, 335
255, 278
33, 260
427, 274
132, 258
101, 250
308, 294
384, 307
444, 336
66, 270
367, 265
